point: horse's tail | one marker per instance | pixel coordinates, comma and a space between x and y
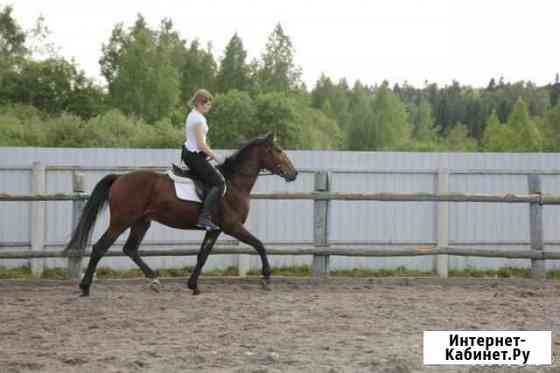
99, 196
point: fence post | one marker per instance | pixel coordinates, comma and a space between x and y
538, 270
320, 266
441, 262
37, 218
79, 188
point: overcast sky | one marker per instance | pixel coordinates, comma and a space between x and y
396, 40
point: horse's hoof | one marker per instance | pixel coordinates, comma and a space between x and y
195, 292
266, 284
85, 293
155, 285
191, 286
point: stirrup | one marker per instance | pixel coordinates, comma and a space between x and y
207, 225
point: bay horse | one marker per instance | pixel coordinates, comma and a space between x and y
137, 198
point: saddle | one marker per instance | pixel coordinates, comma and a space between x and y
183, 174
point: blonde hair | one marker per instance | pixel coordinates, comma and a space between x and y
200, 95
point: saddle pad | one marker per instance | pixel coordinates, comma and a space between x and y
184, 189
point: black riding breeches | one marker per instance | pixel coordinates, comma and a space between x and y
207, 173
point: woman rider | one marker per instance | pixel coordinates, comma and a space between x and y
196, 154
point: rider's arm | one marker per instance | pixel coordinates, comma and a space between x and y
202, 143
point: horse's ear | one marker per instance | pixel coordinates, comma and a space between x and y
269, 137
241, 140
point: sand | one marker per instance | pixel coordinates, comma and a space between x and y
302, 325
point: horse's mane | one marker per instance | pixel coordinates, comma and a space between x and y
229, 166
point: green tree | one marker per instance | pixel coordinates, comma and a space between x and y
12, 37
328, 110
551, 129
232, 119
391, 130
525, 136
554, 93
324, 90
423, 129
496, 136
111, 53
278, 72
458, 139
360, 129
138, 67
318, 131
333, 100
234, 71
275, 113
12, 50
198, 70
54, 85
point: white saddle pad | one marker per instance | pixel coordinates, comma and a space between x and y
184, 188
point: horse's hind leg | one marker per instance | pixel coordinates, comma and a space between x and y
137, 233
99, 249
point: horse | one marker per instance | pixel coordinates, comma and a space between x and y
137, 198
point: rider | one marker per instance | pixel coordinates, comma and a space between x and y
196, 154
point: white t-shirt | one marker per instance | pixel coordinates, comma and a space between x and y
194, 119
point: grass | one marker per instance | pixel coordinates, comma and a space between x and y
108, 273
397, 272
295, 271
15, 273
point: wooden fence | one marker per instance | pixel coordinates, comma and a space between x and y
321, 250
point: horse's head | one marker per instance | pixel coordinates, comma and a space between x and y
275, 159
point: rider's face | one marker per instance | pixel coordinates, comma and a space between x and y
204, 107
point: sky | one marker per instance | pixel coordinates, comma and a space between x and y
395, 40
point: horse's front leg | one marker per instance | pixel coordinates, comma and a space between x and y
205, 248
245, 236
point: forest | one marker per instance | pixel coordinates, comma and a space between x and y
149, 74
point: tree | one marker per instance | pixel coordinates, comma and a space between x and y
278, 72
111, 53
555, 91
234, 71
198, 70
327, 109
458, 139
324, 90
275, 113
54, 85
423, 129
378, 123
491, 85
138, 67
232, 118
390, 126
360, 128
333, 100
12, 37
551, 129
525, 135
475, 112
12, 49
318, 131
495, 137
452, 107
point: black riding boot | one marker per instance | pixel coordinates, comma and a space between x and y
211, 200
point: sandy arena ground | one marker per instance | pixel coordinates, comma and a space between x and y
338, 325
